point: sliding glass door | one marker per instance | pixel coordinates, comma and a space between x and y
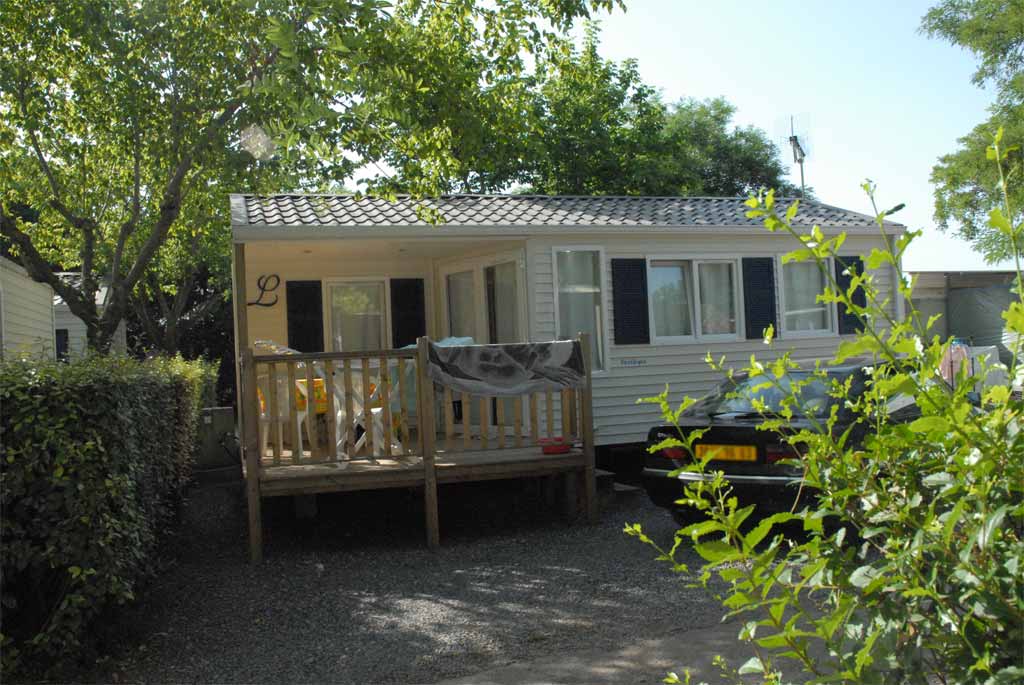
502, 294
483, 300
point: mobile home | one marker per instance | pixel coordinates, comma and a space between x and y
658, 282
653, 283
26, 314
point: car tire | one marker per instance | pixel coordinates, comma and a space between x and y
686, 516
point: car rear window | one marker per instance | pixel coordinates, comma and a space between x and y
739, 395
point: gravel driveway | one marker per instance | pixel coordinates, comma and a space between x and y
354, 596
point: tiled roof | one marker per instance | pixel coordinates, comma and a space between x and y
521, 210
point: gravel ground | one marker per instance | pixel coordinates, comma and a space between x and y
355, 597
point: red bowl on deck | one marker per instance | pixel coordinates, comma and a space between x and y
556, 445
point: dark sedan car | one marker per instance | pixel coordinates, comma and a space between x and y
749, 458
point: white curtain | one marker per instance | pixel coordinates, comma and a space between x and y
579, 298
357, 317
461, 308
672, 302
803, 282
717, 298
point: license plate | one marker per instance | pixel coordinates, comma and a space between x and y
728, 452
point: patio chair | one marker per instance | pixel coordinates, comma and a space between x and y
346, 427
283, 413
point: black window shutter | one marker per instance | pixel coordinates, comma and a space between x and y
759, 295
629, 302
408, 311
305, 307
848, 322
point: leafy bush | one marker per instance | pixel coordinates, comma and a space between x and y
909, 569
93, 459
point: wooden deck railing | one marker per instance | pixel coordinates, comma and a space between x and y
502, 422
347, 404
375, 406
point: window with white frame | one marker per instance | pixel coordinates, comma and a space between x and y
579, 291
802, 282
693, 298
358, 321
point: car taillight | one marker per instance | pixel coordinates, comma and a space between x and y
676, 454
774, 453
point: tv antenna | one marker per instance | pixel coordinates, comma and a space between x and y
794, 134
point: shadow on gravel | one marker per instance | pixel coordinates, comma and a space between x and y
354, 596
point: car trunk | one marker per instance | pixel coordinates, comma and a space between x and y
735, 444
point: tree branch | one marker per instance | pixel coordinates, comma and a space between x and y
56, 202
128, 227
142, 312
39, 269
158, 294
170, 205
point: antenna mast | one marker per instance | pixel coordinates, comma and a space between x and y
798, 153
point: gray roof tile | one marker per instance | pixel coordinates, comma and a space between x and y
525, 210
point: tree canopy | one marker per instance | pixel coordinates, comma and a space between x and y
588, 125
125, 123
967, 185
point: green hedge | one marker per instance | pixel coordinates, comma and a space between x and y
94, 456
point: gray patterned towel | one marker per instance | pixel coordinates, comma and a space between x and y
508, 370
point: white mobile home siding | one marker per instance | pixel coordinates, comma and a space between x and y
78, 338
618, 418
26, 314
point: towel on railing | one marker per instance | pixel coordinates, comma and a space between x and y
507, 370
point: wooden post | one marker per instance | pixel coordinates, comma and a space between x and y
250, 408
350, 418
294, 430
449, 420
466, 411
367, 408
311, 417
274, 411
587, 430
385, 400
241, 329
332, 416
425, 412
403, 422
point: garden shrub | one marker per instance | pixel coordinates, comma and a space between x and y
94, 456
911, 563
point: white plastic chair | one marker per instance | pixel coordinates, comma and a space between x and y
345, 426
283, 413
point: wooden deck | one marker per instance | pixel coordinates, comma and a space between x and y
377, 421
407, 471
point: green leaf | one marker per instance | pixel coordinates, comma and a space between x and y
751, 665
716, 551
930, 424
791, 211
863, 576
998, 221
761, 530
992, 523
936, 480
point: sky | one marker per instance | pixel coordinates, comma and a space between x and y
880, 100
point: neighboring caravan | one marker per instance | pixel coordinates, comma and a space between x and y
970, 305
26, 314
656, 282
70, 332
